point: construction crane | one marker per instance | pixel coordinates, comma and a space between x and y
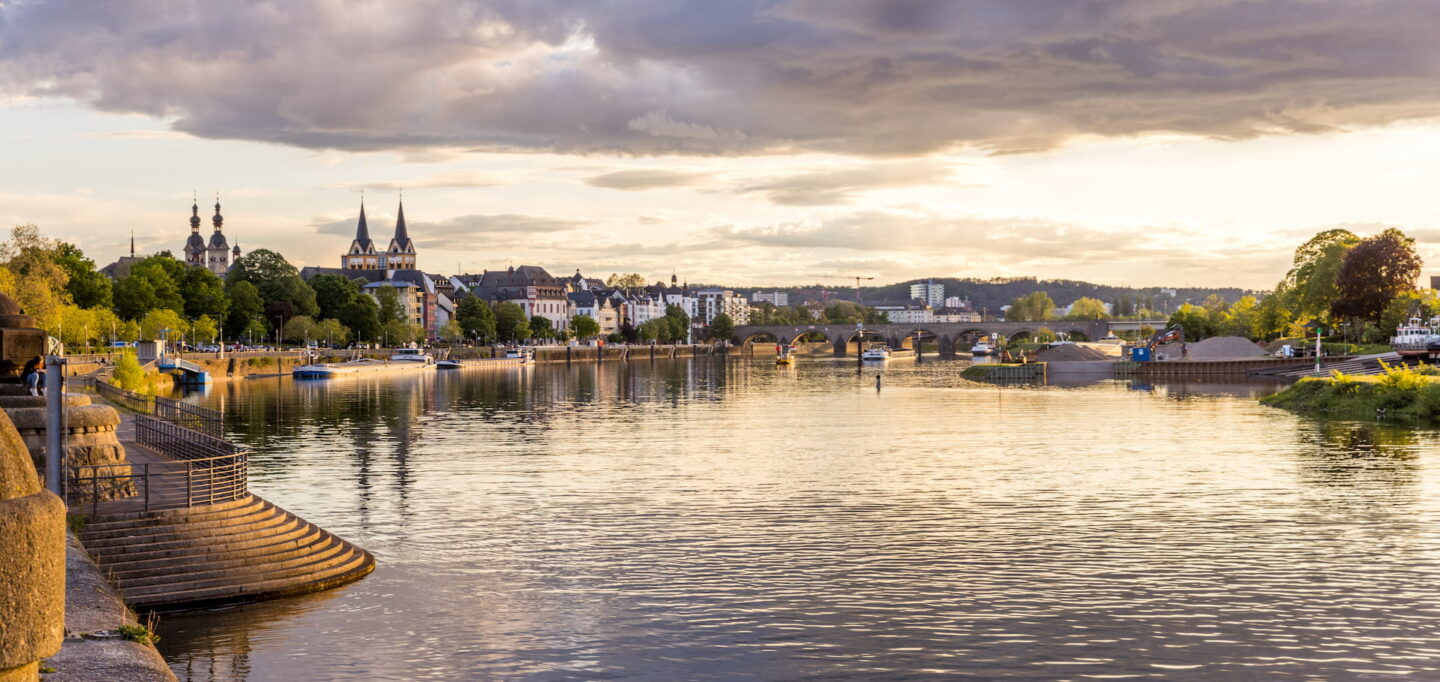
857, 279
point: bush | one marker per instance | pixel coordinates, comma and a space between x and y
128, 374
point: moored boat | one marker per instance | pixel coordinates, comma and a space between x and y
1415, 339
875, 354
401, 360
982, 348
784, 355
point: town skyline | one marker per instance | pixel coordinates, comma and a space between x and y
1136, 153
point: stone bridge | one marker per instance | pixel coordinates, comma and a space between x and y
947, 335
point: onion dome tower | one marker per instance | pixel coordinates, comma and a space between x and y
195, 245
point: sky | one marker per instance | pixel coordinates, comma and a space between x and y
1147, 143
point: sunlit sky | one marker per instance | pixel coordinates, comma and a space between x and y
1150, 143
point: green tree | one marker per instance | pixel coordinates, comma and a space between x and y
149, 286
1195, 321
333, 292
451, 332
476, 318
299, 329
510, 322
1272, 317
1086, 308
1034, 306
627, 281
844, 312
279, 284
204, 294
204, 330
86, 286
362, 316
1310, 285
128, 374
1244, 318
1423, 304
1375, 272
584, 326
654, 329
245, 309
159, 320
388, 307
332, 332
679, 323
541, 328
722, 328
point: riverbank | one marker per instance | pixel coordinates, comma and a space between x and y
94, 647
1400, 394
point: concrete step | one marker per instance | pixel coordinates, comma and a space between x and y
183, 532
217, 546
359, 567
283, 546
161, 518
318, 567
209, 522
235, 571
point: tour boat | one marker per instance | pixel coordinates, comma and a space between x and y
402, 360
523, 354
875, 353
982, 348
1416, 339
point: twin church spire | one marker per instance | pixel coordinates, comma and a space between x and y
214, 254
400, 255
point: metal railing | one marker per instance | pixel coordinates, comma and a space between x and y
206, 470
143, 404
203, 419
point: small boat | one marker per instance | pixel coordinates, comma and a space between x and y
401, 360
982, 348
875, 354
411, 355
1415, 339
523, 354
784, 355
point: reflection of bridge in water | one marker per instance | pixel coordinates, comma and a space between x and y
945, 335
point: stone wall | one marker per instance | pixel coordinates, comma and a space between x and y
90, 439
32, 565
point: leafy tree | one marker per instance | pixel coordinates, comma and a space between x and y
149, 286
204, 329
245, 308
626, 281
1310, 285
33, 277
1044, 335
128, 374
628, 333
476, 318
362, 317
1086, 308
204, 293
510, 322
1036, 305
452, 332
541, 328
844, 312
1272, 317
1244, 318
584, 326
388, 308
332, 332
679, 322
1194, 319
1425, 304
159, 319
1374, 272
299, 329
333, 292
279, 284
722, 328
86, 286
654, 329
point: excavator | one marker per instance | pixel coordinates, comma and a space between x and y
1145, 352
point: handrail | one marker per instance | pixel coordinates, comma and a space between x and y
203, 419
205, 470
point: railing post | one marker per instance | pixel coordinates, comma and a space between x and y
145, 468
189, 485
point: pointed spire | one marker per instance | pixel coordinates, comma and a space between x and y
132, 243
402, 236
362, 230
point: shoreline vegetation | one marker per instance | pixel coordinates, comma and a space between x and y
1407, 394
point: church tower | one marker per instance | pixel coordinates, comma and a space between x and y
218, 253
401, 254
362, 255
195, 245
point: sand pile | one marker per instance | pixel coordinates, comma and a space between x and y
1074, 352
1217, 348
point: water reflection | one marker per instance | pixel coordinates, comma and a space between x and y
735, 520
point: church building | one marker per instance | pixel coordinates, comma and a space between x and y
363, 255
216, 255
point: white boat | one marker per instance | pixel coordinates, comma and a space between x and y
982, 348
524, 354
875, 354
1417, 339
402, 360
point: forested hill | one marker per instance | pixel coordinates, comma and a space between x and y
994, 293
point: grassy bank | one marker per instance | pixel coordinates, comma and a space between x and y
1399, 394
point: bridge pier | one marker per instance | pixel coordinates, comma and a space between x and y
840, 345
947, 346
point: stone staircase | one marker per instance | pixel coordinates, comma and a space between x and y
244, 550
1362, 365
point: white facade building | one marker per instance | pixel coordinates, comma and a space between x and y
713, 302
931, 293
779, 299
905, 312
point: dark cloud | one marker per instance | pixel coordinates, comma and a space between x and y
460, 233
874, 77
449, 179
636, 180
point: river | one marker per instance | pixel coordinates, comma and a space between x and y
704, 519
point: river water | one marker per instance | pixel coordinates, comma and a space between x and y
684, 520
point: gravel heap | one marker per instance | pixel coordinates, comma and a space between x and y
1074, 352
1217, 348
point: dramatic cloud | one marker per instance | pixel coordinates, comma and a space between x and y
461, 233
636, 180
449, 179
870, 77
